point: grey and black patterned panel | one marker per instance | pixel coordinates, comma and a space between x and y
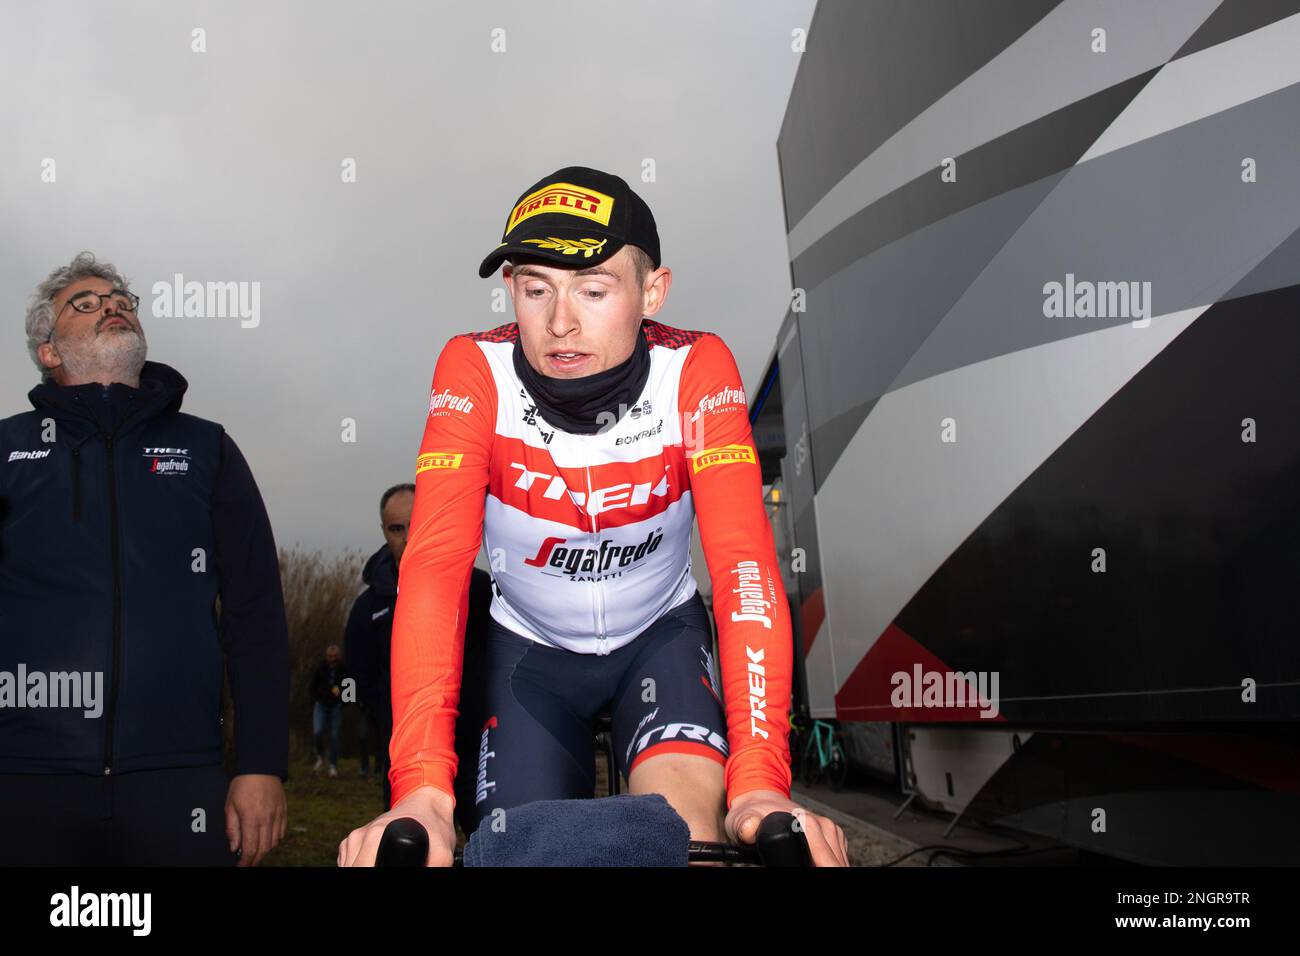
937, 238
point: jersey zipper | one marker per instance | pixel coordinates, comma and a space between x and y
117, 609
602, 644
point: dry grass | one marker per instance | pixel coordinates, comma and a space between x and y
318, 593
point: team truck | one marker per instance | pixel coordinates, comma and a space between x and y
1029, 427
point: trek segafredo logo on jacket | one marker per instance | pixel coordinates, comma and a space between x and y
168, 461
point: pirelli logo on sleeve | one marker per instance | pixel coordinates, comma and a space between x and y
438, 459
721, 456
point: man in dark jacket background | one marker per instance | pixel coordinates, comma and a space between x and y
369, 633
122, 521
369, 628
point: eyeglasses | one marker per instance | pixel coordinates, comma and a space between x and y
89, 301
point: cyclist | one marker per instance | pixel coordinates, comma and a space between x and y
578, 441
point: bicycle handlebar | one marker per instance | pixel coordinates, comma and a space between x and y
779, 843
405, 843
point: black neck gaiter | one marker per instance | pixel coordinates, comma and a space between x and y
577, 404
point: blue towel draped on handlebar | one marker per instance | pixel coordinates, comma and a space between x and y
625, 830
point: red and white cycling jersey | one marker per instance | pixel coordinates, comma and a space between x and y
589, 541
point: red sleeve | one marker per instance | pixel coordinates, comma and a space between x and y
749, 603
433, 582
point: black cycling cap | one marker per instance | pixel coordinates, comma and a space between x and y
577, 216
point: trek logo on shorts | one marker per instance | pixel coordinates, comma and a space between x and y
563, 198
668, 733
721, 456
438, 459
482, 784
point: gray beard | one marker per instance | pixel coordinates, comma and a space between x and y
116, 356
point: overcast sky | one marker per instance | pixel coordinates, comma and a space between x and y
226, 166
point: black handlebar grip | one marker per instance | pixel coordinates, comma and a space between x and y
405, 843
781, 842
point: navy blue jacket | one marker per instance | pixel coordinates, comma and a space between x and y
121, 522
368, 637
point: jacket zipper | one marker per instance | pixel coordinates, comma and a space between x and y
76, 484
117, 610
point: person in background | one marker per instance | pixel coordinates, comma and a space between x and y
370, 622
369, 631
327, 707
123, 522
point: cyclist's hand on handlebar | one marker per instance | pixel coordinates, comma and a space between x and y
430, 806
826, 840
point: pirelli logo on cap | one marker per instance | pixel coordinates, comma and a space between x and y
563, 198
438, 459
722, 455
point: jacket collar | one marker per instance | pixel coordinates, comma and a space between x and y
113, 408
380, 573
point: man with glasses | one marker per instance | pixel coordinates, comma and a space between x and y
123, 521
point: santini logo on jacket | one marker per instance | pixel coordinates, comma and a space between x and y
28, 455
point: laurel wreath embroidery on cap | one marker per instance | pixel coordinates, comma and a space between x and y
571, 246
